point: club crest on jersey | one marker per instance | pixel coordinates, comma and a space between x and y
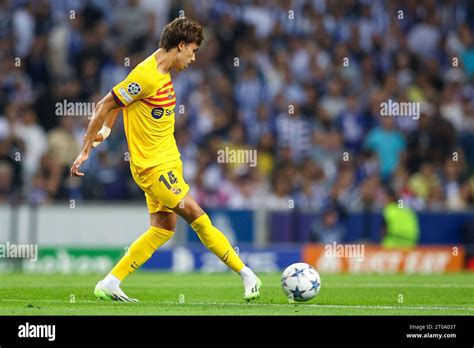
176, 190
134, 88
157, 113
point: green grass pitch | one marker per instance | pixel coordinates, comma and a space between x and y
221, 294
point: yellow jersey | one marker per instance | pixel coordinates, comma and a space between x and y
148, 100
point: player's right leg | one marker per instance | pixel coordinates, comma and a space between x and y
162, 224
161, 229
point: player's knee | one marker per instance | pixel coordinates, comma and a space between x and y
189, 210
194, 215
167, 225
166, 221
194, 211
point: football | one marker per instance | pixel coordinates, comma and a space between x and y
300, 282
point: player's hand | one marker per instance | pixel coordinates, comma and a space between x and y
83, 156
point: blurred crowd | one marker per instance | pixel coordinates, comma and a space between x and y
301, 82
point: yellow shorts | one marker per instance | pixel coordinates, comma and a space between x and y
164, 188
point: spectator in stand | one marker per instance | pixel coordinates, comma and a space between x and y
330, 226
333, 64
452, 184
280, 195
389, 145
6, 181
35, 141
423, 182
353, 124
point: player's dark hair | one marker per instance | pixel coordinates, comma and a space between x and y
181, 29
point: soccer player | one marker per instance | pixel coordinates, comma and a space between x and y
147, 99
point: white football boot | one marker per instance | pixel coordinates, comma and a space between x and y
111, 294
252, 289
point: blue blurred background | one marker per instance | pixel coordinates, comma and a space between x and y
299, 81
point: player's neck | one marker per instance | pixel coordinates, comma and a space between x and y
164, 60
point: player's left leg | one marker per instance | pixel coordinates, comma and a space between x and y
162, 224
217, 242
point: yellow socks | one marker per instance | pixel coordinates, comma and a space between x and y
217, 242
140, 251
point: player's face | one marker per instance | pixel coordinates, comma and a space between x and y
186, 55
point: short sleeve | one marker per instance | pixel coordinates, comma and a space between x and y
136, 86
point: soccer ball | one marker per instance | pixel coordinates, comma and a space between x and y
300, 282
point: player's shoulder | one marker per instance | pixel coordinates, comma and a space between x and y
144, 68
147, 69
147, 63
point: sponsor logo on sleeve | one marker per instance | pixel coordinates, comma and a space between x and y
125, 95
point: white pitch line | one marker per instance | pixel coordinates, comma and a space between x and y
277, 285
312, 305
398, 285
317, 305
336, 285
46, 301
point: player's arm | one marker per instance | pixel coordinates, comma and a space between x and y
104, 132
102, 110
111, 118
137, 85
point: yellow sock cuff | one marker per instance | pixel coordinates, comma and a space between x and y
201, 222
160, 233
